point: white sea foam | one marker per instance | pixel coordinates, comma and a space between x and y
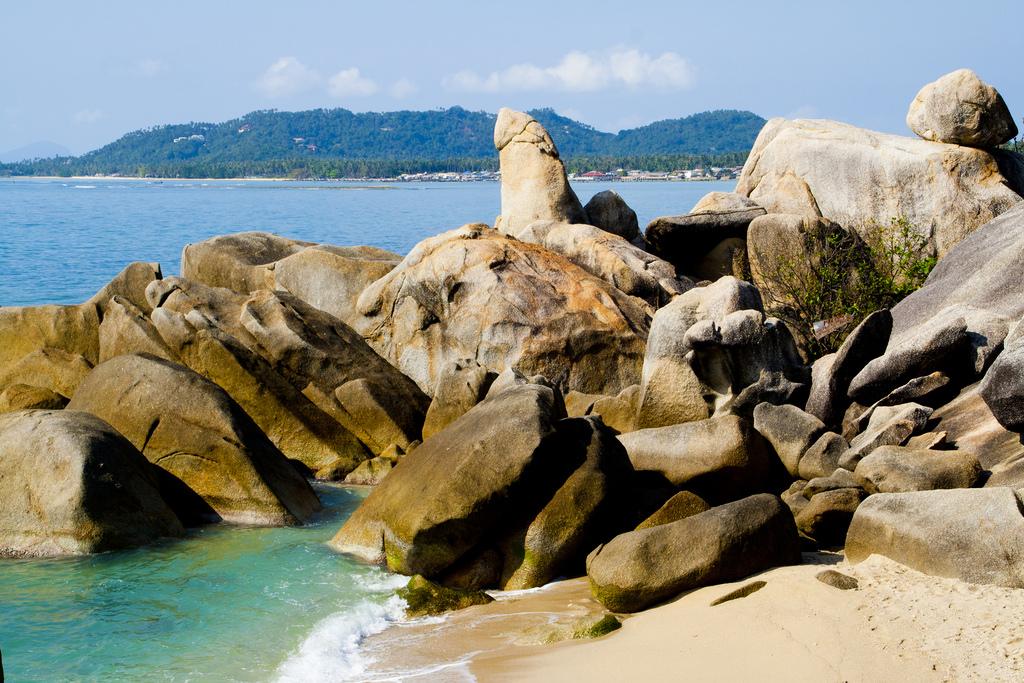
377, 581
331, 651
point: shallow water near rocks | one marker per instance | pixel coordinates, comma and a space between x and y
226, 603
63, 239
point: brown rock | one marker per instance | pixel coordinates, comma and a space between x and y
533, 181
191, 428
473, 293
72, 485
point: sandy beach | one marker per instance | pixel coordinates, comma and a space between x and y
898, 624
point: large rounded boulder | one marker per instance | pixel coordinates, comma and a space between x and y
459, 486
862, 179
475, 293
72, 485
641, 568
976, 535
190, 427
721, 458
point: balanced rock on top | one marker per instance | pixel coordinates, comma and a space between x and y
961, 109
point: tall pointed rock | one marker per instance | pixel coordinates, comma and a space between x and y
533, 182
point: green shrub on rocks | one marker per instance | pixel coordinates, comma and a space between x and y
426, 598
841, 277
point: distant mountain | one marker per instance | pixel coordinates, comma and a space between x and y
36, 150
277, 142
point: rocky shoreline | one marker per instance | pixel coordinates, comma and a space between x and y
562, 395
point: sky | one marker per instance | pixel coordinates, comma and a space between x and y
82, 74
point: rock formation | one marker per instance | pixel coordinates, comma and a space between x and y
325, 276
534, 186
860, 179
685, 240
474, 293
72, 485
609, 211
961, 109
644, 567
611, 258
190, 427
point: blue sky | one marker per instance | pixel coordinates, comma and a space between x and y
82, 74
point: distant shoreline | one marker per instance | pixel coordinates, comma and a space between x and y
347, 180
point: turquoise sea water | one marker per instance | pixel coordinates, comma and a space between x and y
61, 240
226, 603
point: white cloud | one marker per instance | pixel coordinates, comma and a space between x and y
805, 111
149, 68
402, 88
287, 76
350, 83
584, 72
87, 116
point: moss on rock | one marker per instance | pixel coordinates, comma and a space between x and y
423, 597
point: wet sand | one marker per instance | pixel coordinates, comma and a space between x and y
898, 624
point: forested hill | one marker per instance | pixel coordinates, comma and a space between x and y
268, 142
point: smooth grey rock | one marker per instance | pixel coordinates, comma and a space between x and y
641, 568
827, 516
942, 344
490, 472
581, 514
830, 379
839, 479
459, 388
893, 469
789, 430
822, 457
976, 535
72, 485
187, 425
1003, 386
985, 271
888, 426
680, 506
130, 285
794, 497
721, 458
683, 240
609, 211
